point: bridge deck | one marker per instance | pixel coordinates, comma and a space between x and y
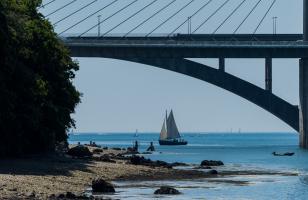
191, 46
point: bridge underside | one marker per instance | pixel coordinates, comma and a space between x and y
263, 98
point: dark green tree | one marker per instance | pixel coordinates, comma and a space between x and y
37, 96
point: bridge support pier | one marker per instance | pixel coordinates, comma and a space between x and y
303, 86
268, 74
303, 108
222, 64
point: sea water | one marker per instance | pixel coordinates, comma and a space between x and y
239, 151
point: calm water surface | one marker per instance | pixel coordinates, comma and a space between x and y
237, 151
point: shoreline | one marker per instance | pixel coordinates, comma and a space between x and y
53, 175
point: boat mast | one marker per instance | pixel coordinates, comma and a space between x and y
166, 118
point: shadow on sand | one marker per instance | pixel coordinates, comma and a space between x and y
44, 165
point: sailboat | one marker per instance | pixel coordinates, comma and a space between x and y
136, 133
169, 134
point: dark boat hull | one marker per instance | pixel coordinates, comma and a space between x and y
172, 142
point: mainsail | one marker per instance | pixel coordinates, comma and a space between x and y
163, 132
172, 130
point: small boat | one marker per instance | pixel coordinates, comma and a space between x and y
169, 134
283, 154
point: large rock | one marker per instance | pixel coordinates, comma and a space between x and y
79, 151
131, 150
160, 163
140, 160
97, 151
211, 163
167, 191
213, 172
102, 186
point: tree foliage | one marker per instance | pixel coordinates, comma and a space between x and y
37, 96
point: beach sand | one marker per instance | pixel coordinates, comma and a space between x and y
48, 175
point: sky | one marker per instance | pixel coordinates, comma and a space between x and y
120, 96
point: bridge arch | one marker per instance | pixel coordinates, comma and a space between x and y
268, 101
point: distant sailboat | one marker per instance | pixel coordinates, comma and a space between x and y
169, 134
136, 133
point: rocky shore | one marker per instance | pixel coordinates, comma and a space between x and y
69, 176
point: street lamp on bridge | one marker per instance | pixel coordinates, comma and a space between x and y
275, 25
189, 25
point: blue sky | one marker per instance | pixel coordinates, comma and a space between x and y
120, 96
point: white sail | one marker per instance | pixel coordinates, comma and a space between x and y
136, 133
172, 130
163, 132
